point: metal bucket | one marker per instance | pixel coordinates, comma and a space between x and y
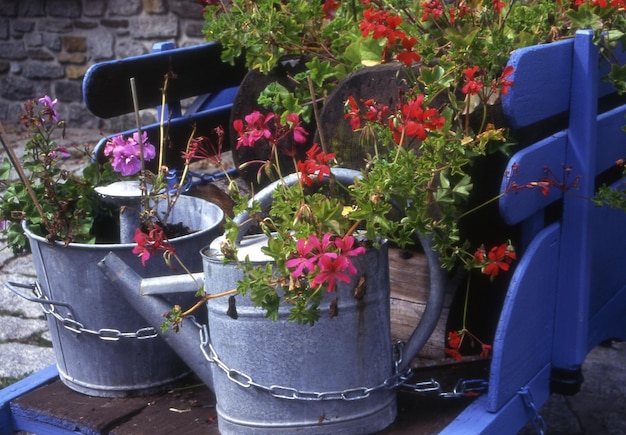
282, 377
103, 347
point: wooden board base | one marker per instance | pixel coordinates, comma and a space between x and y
189, 408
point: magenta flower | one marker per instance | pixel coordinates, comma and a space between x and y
149, 151
125, 154
299, 133
48, 107
306, 258
332, 268
256, 128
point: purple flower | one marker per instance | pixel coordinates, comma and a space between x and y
125, 154
48, 107
60, 152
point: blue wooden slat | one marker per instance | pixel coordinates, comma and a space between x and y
609, 322
106, 88
513, 415
523, 341
542, 81
608, 258
611, 138
17, 389
531, 161
574, 269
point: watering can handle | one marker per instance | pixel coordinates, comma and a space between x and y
438, 281
13, 286
343, 175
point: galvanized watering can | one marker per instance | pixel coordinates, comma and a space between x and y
338, 376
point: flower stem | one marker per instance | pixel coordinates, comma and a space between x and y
479, 206
206, 298
20, 171
466, 303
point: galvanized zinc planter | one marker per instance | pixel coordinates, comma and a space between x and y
103, 347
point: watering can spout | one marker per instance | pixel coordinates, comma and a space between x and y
143, 295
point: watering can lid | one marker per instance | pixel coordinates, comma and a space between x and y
249, 246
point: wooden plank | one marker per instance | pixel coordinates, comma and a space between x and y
611, 139
538, 96
55, 408
410, 284
523, 341
574, 268
526, 166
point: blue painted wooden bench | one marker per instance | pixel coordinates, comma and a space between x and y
199, 74
568, 292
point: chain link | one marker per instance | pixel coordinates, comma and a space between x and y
106, 334
538, 422
397, 380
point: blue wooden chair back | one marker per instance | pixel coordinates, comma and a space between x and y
568, 291
199, 73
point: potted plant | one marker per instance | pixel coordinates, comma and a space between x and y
444, 75
102, 347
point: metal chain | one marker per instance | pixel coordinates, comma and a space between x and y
538, 422
397, 380
106, 334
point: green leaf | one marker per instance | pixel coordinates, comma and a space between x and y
5, 170
366, 52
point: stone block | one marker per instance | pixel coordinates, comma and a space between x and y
155, 6
124, 7
194, 30
82, 24
16, 88
32, 8
75, 72
68, 90
129, 47
52, 42
4, 29
64, 8
55, 25
115, 24
75, 58
39, 54
8, 8
19, 27
185, 8
13, 50
94, 8
74, 44
43, 70
34, 39
100, 45
5, 66
152, 26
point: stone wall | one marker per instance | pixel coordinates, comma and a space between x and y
46, 46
